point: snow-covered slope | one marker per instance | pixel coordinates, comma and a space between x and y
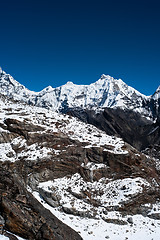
102, 224
52, 122
107, 92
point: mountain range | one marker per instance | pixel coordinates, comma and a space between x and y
109, 104
107, 92
79, 161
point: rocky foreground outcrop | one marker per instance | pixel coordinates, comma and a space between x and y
23, 214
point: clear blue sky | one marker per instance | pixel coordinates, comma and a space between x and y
49, 42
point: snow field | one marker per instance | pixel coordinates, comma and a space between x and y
89, 229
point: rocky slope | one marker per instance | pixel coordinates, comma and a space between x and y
127, 124
57, 170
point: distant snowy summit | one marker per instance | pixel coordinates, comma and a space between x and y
1, 71
156, 95
107, 92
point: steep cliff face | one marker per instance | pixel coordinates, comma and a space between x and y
134, 129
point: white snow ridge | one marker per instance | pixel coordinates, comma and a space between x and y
106, 92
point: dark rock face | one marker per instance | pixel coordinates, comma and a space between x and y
21, 128
129, 125
154, 106
23, 214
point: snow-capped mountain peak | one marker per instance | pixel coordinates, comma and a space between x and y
69, 83
47, 90
156, 95
12, 88
106, 92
